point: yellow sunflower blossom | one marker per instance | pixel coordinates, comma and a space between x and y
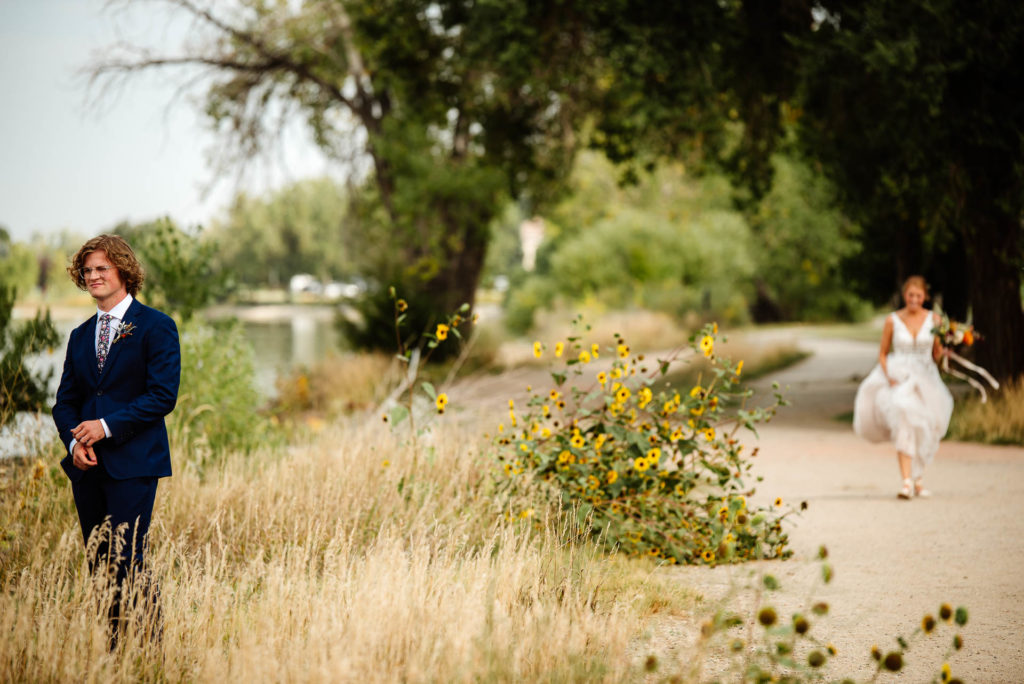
564, 456
640, 464
511, 404
578, 441
595, 350
441, 402
709, 434
778, 502
611, 477
707, 555
401, 305
616, 373
537, 349
677, 434
554, 395
707, 345
560, 404
599, 442
593, 482
697, 391
644, 397
623, 395
584, 356
653, 454
545, 433
739, 368
714, 328
623, 351
501, 427
669, 407
602, 378
546, 410
697, 410
442, 332
559, 348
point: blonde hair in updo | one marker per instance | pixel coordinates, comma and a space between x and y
916, 281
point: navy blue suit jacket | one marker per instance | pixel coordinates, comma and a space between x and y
136, 389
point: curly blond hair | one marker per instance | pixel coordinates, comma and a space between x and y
120, 254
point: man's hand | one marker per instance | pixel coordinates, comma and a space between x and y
89, 432
83, 457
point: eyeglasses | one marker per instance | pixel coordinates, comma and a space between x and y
99, 270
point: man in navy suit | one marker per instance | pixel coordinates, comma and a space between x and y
120, 379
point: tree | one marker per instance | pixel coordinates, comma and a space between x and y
916, 110
454, 105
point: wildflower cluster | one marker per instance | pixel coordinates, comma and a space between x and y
655, 470
416, 348
796, 648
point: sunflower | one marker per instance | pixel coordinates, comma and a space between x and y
641, 464
441, 402
622, 350
442, 332
559, 348
707, 555
612, 476
578, 441
537, 349
653, 454
401, 305
594, 350
707, 345
739, 368
602, 378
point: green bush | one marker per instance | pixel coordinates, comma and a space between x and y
657, 474
218, 402
22, 389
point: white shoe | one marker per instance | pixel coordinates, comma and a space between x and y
919, 489
907, 490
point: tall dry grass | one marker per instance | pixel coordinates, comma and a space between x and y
998, 421
321, 563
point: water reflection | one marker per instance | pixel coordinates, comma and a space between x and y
281, 345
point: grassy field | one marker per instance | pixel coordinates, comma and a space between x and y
354, 557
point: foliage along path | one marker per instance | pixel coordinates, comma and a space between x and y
894, 560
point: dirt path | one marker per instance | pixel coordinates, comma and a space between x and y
894, 560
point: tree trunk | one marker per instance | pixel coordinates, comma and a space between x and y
993, 256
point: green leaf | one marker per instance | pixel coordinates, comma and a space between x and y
397, 414
429, 389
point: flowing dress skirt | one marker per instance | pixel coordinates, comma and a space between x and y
913, 415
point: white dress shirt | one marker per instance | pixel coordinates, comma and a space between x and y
117, 315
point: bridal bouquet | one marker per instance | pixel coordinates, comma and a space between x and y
953, 334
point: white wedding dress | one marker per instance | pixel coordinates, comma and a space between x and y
914, 414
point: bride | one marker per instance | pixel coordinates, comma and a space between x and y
903, 400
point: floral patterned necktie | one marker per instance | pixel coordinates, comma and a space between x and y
103, 345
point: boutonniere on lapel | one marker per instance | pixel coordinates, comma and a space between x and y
122, 331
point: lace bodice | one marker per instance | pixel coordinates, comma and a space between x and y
905, 344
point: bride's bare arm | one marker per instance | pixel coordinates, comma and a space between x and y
883, 352
938, 351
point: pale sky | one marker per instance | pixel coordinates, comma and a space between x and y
67, 165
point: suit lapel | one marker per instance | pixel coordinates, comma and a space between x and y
88, 347
115, 347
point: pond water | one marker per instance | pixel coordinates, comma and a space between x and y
282, 337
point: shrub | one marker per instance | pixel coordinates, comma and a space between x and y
656, 474
22, 389
218, 403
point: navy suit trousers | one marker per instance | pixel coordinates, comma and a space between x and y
128, 504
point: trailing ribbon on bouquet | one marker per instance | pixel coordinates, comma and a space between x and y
963, 376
